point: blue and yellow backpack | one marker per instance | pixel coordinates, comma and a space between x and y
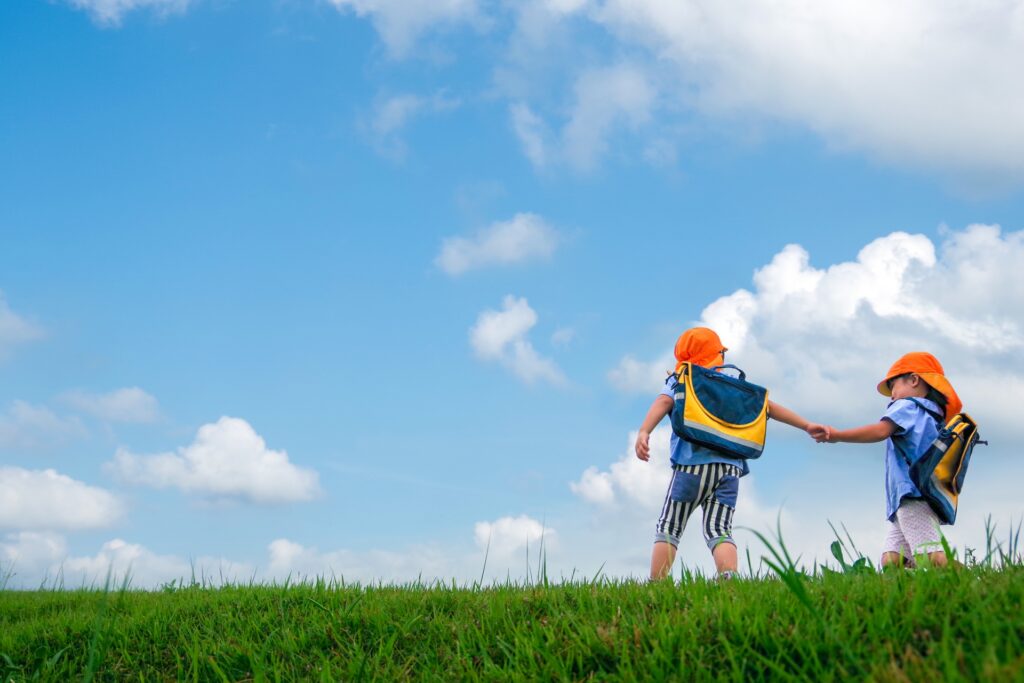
726, 414
939, 473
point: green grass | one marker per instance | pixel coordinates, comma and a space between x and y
837, 625
943, 625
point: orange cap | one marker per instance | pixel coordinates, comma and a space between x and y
700, 346
928, 368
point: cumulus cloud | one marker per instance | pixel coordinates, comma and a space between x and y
289, 558
112, 12
36, 559
501, 336
835, 331
525, 237
29, 427
45, 500
26, 551
509, 535
228, 459
391, 115
130, 404
629, 478
400, 23
14, 329
810, 332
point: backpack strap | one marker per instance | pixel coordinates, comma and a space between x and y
941, 419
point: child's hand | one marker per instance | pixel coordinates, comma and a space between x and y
643, 447
820, 433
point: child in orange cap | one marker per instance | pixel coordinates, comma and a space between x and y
700, 476
922, 401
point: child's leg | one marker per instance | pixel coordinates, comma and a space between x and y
662, 558
896, 553
725, 557
719, 508
680, 500
920, 527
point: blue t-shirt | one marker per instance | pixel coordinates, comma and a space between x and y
915, 431
685, 453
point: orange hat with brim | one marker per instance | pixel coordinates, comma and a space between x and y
928, 368
700, 346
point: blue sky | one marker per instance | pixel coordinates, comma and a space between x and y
428, 259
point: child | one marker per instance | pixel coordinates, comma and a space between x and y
700, 476
908, 427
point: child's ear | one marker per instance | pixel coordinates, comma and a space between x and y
915, 380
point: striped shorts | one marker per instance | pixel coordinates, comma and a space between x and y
714, 487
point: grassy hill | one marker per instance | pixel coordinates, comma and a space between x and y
965, 624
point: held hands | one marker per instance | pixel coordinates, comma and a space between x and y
643, 447
820, 433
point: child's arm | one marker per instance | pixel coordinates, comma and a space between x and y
661, 407
872, 433
787, 416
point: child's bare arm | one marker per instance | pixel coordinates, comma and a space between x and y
872, 433
661, 407
786, 416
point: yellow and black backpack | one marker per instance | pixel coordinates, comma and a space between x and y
726, 414
939, 473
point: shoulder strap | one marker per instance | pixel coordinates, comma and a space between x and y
941, 419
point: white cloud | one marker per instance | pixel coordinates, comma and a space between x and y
510, 535
400, 23
37, 559
526, 237
532, 132
42, 500
604, 100
28, 427
288, 558
130, 404
605, 97
920, 83
30, 550
112, 12
629, 479
633, 376
501, 336
393, 114
14, 329
834, 332
807, 332
146, 569
228, 459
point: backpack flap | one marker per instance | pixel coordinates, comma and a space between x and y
724, 413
